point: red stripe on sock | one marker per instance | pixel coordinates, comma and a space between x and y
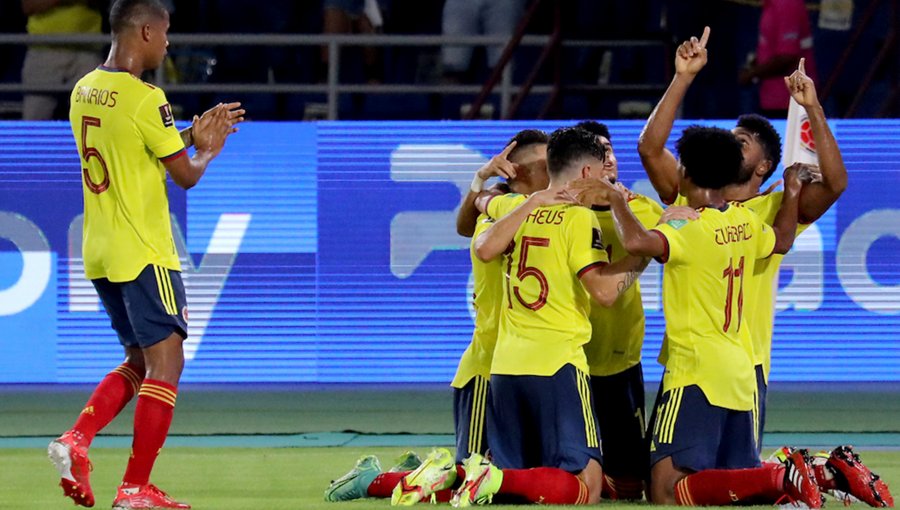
107, 401
152, 419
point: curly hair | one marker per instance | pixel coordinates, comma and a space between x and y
711, 156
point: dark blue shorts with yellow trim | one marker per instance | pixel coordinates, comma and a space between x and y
698, 435
470, 405
147, 309
619, 400
761, 391
543, 421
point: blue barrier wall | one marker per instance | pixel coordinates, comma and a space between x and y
327, 253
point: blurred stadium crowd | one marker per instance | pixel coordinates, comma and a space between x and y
719, 93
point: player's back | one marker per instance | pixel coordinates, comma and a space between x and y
706, 267
617, 332
544, 322
124, 128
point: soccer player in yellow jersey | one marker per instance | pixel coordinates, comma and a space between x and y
127, 141
614, 353
542, 426
702, 448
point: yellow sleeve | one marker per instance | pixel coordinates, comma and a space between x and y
674, 239
501, 205
156, 124
586, 249
765, 236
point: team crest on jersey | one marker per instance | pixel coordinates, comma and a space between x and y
165, 111
597, 240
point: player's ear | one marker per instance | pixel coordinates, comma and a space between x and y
763, 167
586, 172
146, 33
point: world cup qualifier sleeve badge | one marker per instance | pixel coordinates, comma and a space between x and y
165, 112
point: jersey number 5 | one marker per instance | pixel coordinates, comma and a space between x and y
91, 152
525, 271
731, 272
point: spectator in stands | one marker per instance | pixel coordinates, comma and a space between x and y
353, 17
477, 17
58, 65
784, 38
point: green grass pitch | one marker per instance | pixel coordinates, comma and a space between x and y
244, 478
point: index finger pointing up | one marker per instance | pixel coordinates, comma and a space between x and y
802, 66
704, 37
508, 149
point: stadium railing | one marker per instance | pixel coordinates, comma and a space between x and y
333, 88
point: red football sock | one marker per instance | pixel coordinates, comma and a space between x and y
383, 485
729, 486
156, 402
108, 400
550, 486
622, 488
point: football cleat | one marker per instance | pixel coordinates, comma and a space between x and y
144, 497
851, 476
799, 482
355, 484
71, 460
437, 472
408, 461
483, 480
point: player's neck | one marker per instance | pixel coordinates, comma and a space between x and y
740, 192
123, 58
705, 197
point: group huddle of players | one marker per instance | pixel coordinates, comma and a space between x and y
554, 367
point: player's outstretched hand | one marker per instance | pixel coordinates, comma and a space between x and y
589, 192
690, 57
801, 86
234, 115
551, 196
678, 212
793, 178
499, 165
210, 130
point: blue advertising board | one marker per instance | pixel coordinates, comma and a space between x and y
327, 252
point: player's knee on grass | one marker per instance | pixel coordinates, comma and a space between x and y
592, 476
663, 477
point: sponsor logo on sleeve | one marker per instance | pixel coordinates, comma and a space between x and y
597, 239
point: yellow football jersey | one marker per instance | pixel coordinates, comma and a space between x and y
618, 332
124, 128
707, 265
759, 305
71, 18
544, 319
487, 300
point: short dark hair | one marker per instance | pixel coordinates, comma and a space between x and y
567, 145
597, 128
129, 13
711, 156
525, 138
768, 138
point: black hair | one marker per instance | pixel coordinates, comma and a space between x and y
711, 156
597, 128
131, 13
768, 138
525, 138
568, 145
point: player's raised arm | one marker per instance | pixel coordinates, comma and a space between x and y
817, 197
497, 166
660, 164
785, 224
494, 241
209, 133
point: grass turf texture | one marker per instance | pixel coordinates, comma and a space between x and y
246, 478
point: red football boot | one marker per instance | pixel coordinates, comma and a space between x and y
71, 460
